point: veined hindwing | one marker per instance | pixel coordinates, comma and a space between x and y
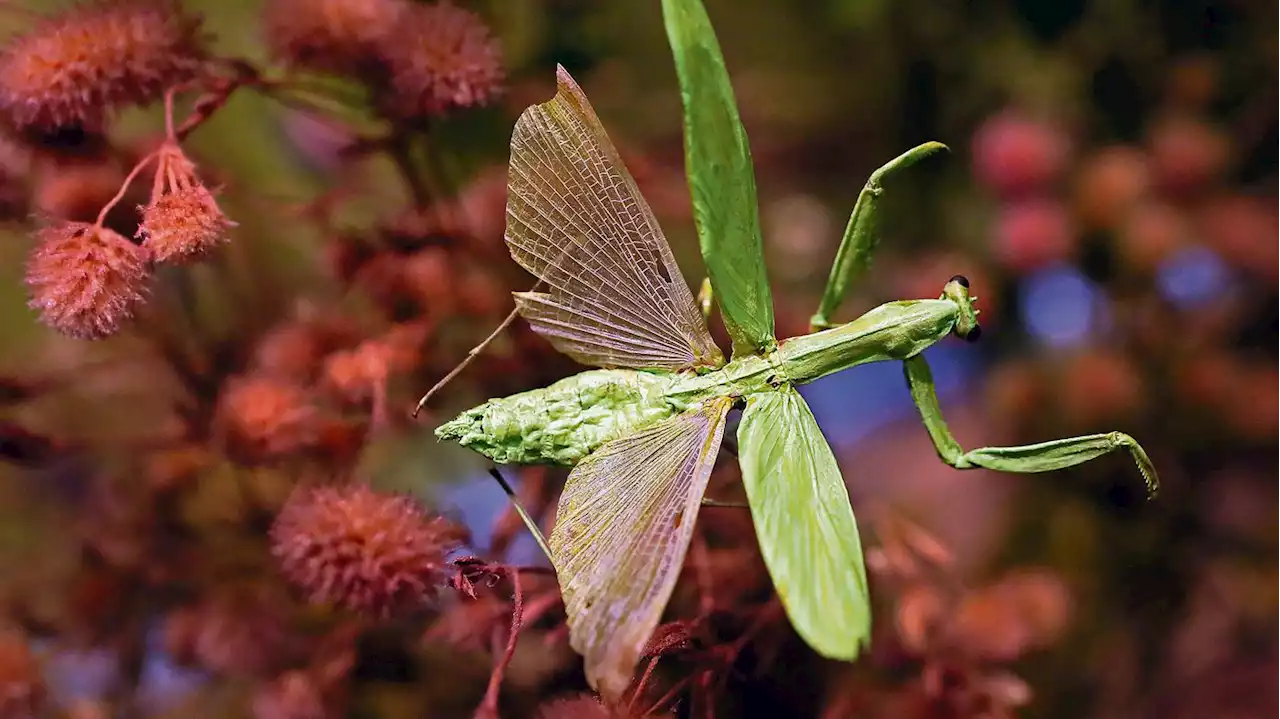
622, 529
577, 221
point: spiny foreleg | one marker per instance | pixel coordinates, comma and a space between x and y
1042, 457
862, 234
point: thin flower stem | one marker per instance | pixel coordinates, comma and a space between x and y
434, 174
124, 187
400, 150
168, 114
208, 105
489, 706
644, 681
669, 697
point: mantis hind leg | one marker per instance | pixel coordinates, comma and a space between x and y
862, 235
525, 517
1041, 457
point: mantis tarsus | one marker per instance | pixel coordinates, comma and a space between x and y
643, 431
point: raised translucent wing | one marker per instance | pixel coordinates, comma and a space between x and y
622, 528
805, 526
577, 221
721, 179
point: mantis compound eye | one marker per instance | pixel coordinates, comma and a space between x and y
974, 334
960, 280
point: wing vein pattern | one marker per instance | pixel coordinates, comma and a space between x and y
623, 526
577, 221
807, 532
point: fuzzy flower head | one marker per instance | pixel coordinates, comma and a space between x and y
338, 36
372, 553
73, 68
86, 280
183, 222
441, 58
265, 417
239, 633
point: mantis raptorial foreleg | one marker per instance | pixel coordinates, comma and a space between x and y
862, 234
1042, 457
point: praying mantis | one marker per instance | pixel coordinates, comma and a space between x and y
643, 429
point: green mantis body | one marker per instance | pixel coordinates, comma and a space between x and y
565, 422
642, 432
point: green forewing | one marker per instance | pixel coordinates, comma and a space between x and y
804, 523
721, 179
577, 221
623, 526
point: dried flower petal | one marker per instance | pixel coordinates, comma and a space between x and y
74, 68
373, 553
442, 58
85, 280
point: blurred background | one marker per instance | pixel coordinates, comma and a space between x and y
1111, 196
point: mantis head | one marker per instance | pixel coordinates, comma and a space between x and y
957, 290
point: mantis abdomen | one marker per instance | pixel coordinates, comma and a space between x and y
564, 422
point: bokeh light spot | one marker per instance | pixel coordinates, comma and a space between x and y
1060, 307
1193, 277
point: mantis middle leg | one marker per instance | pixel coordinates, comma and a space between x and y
705, 294
525, 517
862, 234
1041, 457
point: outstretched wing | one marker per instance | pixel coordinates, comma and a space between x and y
805, 525
622, 528
577, 221
721, 179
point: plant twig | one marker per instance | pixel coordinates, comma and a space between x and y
489, 706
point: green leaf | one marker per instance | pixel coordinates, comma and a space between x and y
806, 529
721, 179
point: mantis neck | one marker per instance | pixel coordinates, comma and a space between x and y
892, 331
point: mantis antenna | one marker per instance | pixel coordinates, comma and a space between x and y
471, 355
474, 352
